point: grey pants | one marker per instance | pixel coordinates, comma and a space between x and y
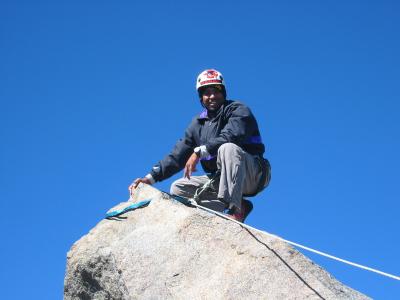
240, 174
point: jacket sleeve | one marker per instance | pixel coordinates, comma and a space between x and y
238, 129
176, 160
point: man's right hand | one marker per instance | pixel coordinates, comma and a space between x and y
190, 166
136, 183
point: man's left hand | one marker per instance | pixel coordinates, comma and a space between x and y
191, 165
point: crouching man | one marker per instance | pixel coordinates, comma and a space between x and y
225, 139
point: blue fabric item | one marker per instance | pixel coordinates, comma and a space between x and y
254, 140
134, 206
209, 157
203, 114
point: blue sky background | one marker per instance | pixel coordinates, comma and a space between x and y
93, 93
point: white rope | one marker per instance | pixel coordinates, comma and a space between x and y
296, 244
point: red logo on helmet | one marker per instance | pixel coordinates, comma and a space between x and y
212, 74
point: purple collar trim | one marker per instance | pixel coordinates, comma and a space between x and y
203, 114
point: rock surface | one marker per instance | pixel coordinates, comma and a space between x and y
170, 251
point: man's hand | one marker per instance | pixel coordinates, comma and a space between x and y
136, 183
191, 165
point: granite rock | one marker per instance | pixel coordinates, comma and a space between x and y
171, 251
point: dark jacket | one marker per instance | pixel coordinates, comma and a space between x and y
233, 123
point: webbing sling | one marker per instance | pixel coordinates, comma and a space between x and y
144, 203
134, 206
192, 202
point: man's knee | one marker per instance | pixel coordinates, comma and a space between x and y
228, 149
176, 188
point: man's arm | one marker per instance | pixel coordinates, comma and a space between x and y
172, 163
240, 126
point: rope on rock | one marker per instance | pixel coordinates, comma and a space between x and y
192, 202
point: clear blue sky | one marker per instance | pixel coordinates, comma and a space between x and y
93, 93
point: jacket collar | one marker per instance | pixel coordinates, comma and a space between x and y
204, 113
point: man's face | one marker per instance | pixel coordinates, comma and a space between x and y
212, 98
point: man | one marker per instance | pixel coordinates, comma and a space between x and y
226, 140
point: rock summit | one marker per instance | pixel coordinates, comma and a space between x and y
167, 250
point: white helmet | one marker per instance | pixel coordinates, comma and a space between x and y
209, 77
